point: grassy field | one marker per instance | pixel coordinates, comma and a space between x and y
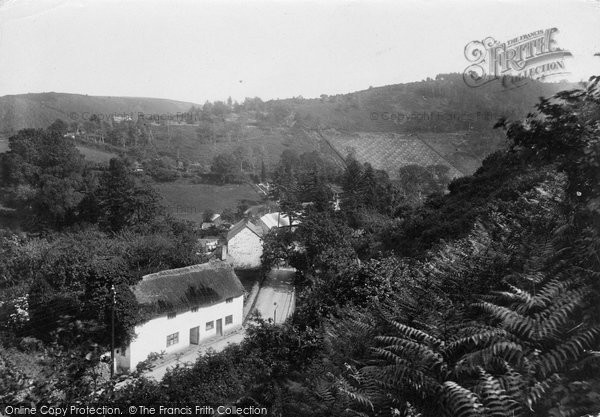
91, 154
189, 201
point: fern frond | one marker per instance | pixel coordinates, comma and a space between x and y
411, 349
552, 319
512, 382
459, 401
406, 379
527, 301
416, 334
513, 321
358, 397
495, 355
551, 289
537, 391
497, 402
480, 339
572, 349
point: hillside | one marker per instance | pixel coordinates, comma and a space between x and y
41, 109
445, 104
264, 143
430, 122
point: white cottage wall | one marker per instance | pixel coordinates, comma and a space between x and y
152, 335
245, 249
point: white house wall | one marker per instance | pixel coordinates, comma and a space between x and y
245, 249
152, 335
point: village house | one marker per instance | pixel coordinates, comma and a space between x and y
244, 244
182, 307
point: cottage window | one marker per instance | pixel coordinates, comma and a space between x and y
229, 300
229, 319
172, 339
171, 315
194, 309
210, 325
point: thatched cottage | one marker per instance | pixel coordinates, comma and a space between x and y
182, 307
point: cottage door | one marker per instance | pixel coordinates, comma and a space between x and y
194, 335
220, 327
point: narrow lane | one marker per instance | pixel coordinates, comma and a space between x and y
276, 299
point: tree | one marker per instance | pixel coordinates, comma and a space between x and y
59, 126
417, 182
352, 184
240, 153
263, 172
121, 201
226, 167
206, 132
52, 168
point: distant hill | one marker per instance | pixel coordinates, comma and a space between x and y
431, 122
41, 109
444, 104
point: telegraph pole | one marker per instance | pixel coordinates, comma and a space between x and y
112, 332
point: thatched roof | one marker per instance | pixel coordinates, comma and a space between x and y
183, 288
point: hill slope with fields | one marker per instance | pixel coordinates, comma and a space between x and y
461, 152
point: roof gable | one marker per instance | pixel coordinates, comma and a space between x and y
241, 225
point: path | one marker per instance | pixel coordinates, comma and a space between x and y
276, 299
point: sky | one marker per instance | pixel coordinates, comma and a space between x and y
195, 50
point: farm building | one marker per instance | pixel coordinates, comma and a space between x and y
183, 307
244, 244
